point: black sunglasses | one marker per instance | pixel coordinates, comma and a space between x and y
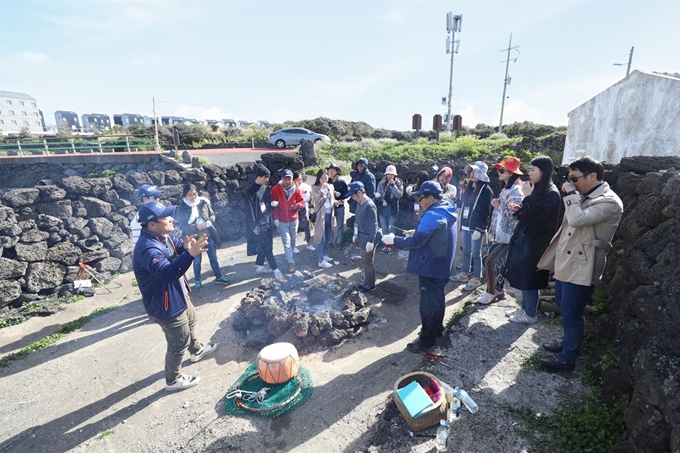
501, 171
576, 178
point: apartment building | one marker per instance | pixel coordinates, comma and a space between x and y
17, 111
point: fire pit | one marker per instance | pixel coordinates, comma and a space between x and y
305, 310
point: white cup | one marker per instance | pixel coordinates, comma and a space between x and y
275, 203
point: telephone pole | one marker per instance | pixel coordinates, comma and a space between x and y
453, 25
507, 79
155, 125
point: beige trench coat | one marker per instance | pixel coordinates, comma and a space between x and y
577, 252
319, 199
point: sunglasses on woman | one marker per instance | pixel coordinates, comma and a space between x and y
501, 171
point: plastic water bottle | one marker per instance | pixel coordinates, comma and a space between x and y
442, 440
466, 399
454, 410
231, 260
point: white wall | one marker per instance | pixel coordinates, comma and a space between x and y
638, 116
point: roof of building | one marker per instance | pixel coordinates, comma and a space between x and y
14, 94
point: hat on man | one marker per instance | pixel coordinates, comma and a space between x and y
479, 170
363, 161
147, 190
429, 188
335, 167
509, 163
354, 186
391, 170
154, 210
261, 170
287, 173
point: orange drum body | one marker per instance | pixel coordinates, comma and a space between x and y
277, 363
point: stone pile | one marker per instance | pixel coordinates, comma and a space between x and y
304, 310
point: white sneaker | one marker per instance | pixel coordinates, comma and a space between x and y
296, 250
205, 350
459, 277
486, 299
262, 270
325, 264
327, 258
511, 313
472, 284
183, 382
523, 318
310, 248
278, 275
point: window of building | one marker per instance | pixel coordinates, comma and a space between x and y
37, 123
36, 114
8, 102
33, 104
24, 114
25, 123
21, 103
2, 121
10, 112
14, 122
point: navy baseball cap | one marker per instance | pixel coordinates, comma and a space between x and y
287, 173
429, 188
354, 186
147, 190
154, 210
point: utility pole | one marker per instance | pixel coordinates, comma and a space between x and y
630, 61
506, 81
155, 124
453, 25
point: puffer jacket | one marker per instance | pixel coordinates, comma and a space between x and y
160, 274
578, 252
390, 194
433, 243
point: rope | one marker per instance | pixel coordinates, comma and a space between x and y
239, 402
258, 396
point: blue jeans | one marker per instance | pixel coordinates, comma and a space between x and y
288, 231
530, 302
386, 223
571, 299
327, 231
339, 224
212, 256
432, 307
472, 254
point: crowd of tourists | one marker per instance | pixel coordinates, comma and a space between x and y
511, 236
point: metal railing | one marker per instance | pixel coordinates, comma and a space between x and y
128, 144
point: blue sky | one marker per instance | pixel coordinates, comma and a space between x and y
373, 61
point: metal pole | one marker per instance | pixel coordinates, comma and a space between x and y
630, 60
155, 123
505, 85
448, 109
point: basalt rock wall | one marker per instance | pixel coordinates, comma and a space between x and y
60, 216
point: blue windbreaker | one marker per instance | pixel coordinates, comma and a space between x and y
160, 274
433, 245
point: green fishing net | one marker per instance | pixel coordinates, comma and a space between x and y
281, 398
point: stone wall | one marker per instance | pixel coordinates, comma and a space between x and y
46, 230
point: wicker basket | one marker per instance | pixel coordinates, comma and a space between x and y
426, 420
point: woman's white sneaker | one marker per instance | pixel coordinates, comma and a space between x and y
325, 264
183, 382
523, 318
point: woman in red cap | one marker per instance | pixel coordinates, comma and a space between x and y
503, 224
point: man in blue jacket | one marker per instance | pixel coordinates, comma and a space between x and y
431, 255
364, 176
159, 262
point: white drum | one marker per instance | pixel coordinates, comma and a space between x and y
277, 363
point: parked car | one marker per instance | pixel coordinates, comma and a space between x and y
291, 136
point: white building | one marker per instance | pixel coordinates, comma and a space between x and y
638, 116
19, 110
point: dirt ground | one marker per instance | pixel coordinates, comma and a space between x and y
100, 389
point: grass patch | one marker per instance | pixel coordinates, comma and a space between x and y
204, 160
455, 316
134, 282
71, 299
589, 426
104, 174
11, 321
49, 340
531, 362
105, 433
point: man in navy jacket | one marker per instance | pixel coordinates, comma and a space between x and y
160, 261
431, 255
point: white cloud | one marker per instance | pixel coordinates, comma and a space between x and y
393, 17
518, 111
33, 56
202, 113
469, 117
